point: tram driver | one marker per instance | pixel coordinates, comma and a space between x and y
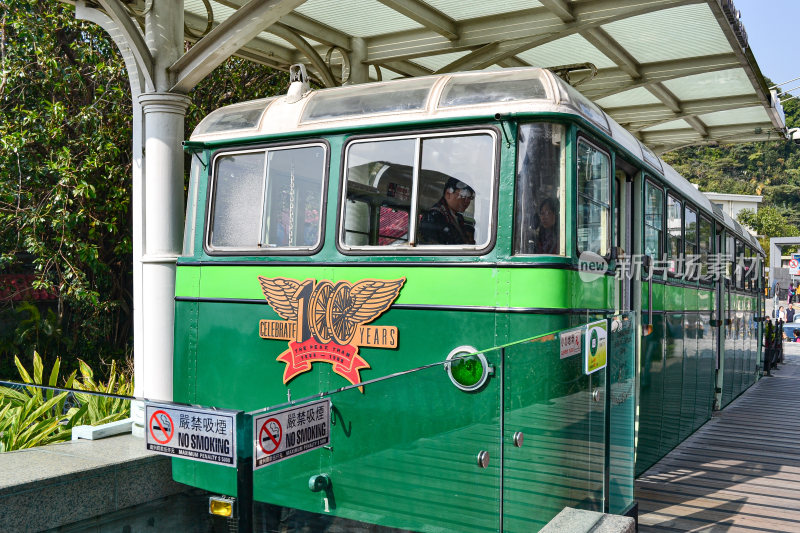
444, 223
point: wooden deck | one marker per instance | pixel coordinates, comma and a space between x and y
740, 472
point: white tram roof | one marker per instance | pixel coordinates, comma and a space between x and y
447, 96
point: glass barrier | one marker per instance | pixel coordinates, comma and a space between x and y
416, 452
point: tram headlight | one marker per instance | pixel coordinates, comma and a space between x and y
220, 506
467, 369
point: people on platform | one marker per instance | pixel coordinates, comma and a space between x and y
781, 314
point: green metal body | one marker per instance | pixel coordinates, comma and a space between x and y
403, 450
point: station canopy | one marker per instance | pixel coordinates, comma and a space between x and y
673, 72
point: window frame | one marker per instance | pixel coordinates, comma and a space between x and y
211, 250
563, 250
705, 279
696, 244
583, 138
678, 198
417, 250
650, 180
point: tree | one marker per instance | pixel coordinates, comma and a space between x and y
65, 167
767, 222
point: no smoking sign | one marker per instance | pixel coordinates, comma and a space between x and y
270, 435
283, 434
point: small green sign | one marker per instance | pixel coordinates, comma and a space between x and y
595, 347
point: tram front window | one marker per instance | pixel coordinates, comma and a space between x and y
538, 211
267, 199
436, 188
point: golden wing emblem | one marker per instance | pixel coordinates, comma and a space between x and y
280, 294
351, 305
371, 297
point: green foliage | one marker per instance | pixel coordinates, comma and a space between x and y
65, 129
33, 417
65, 167
100, 409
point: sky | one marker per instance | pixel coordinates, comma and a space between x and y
772, 32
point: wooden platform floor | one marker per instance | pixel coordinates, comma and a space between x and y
740, 472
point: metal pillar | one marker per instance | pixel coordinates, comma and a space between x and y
359, 71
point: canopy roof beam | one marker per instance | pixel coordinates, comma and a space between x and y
611, 48
640, 117
612, 81
224, 40
560, 9
429, 17
520, 30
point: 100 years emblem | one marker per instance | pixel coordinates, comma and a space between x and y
324, 322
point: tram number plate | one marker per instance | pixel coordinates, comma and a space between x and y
283, 434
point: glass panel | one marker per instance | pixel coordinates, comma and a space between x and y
593, 205
294, 197
548, 399
706, 244
236, 208
653, 220
651, 403
539, 202
674, 235
673, 382
739, 264
402, 454
583, 106
455, 190
729, 256
691, 263
650, 156
371, 99
379, 185
622, 387
190, 224
234, 117
501, 87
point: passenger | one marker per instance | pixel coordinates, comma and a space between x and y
547, 234
444, 222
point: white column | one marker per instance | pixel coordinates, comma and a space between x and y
163, 236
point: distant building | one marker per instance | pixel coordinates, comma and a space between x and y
733, 203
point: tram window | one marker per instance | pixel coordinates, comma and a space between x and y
437, 188
538, 212
653, 220
379, 183
238, 184
739, 264
690, 243
705, 244
674, 233
593, 200
729, 256
268, 199
748, 263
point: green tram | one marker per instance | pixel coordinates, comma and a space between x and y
344, 243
